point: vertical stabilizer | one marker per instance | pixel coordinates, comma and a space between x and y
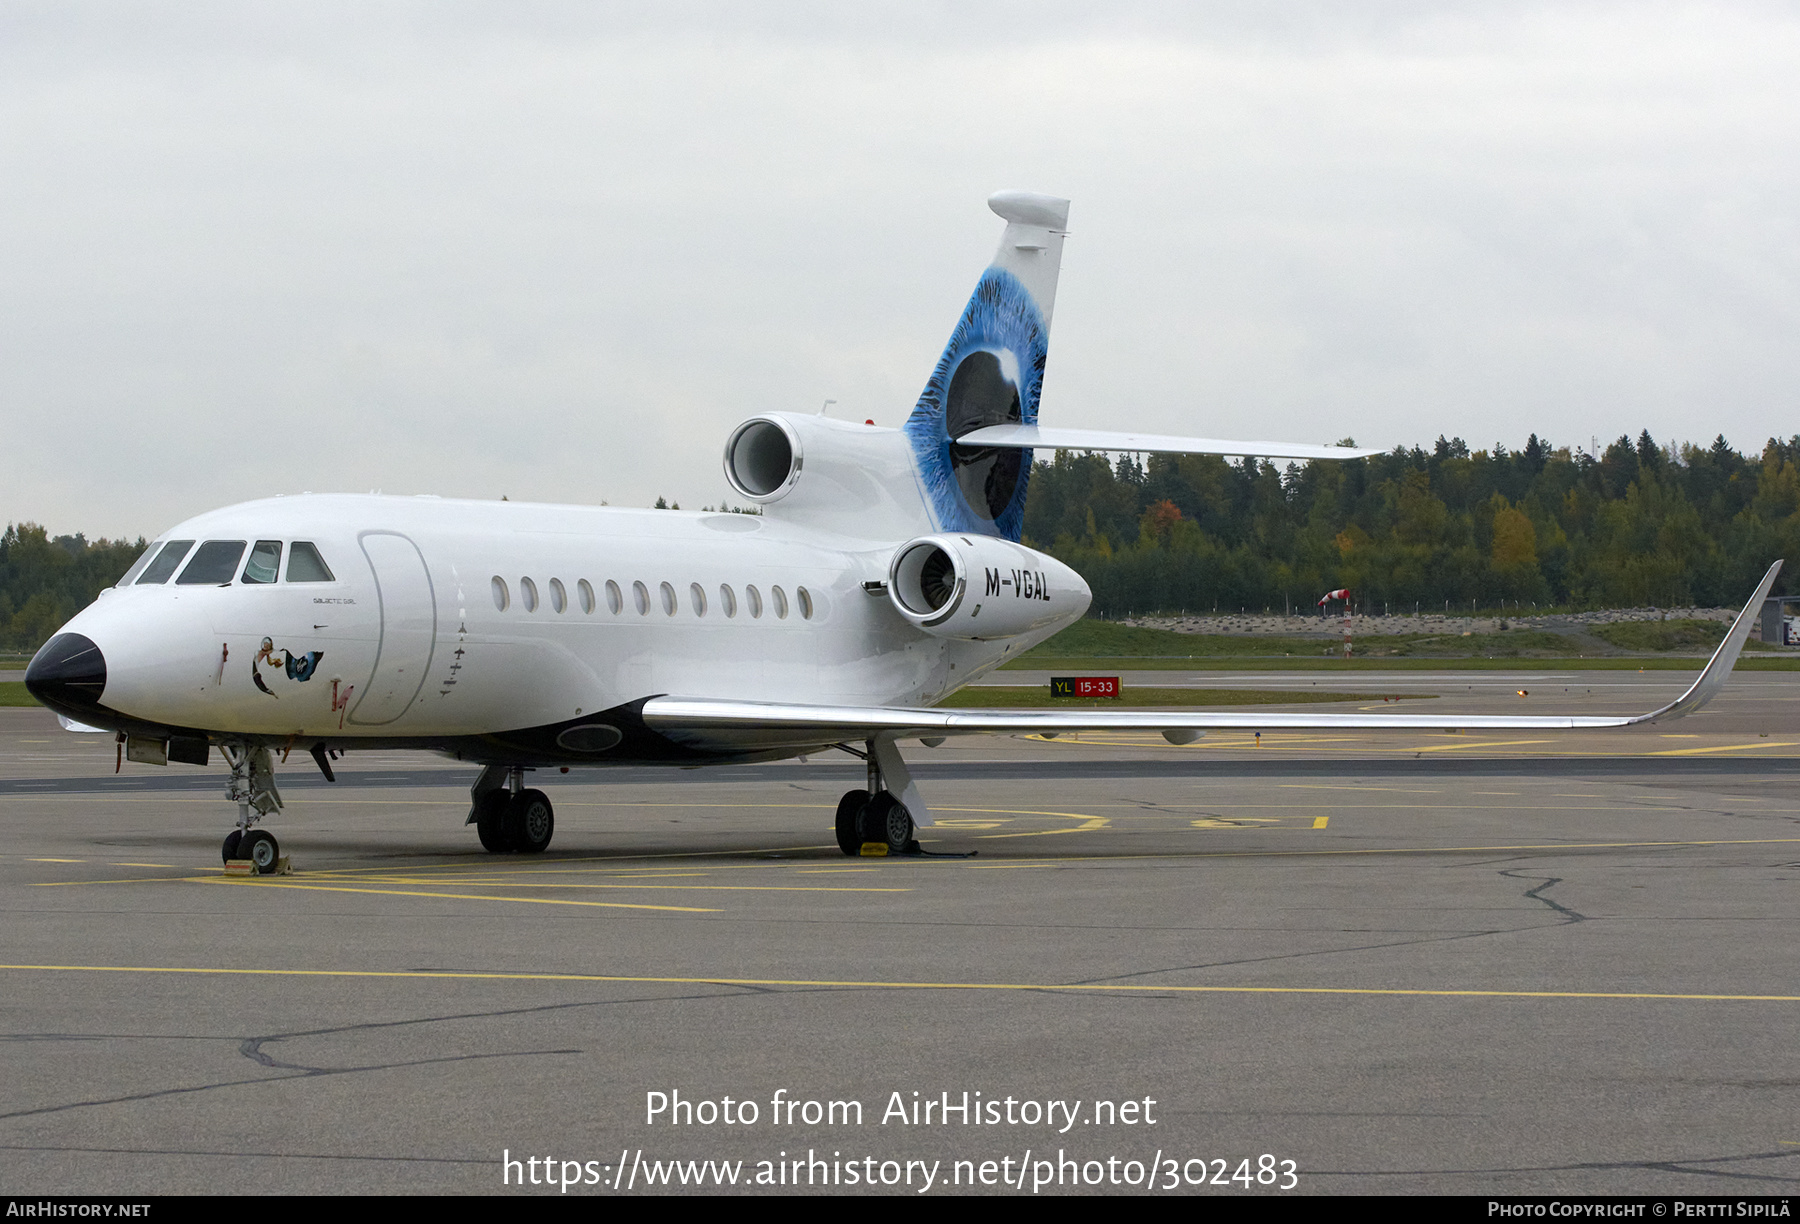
991, 373
1031, 247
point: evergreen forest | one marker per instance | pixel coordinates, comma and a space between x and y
1637, 525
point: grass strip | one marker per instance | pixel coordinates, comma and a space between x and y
1091, 664
12, 693
991, 697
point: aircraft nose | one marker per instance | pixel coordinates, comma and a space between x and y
68, 672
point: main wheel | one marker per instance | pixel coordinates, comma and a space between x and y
531, 821
261, 848
490, 821
849, 821
229, 850
887, 820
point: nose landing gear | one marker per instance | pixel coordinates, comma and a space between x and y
252, 788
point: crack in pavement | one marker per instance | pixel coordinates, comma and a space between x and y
1537, 894
251, 1048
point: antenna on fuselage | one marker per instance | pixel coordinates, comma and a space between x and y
825, 405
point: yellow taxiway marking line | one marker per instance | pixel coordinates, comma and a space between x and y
1724, 748
1089, 824
1480, 744
615, 861
1357, 790
1319, 822
397, 892
491, 883
51, 860
1070, 859
855, 984
163, 866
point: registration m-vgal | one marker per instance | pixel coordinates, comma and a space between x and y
884, 573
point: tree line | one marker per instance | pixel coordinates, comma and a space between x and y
45, 581
1639, 524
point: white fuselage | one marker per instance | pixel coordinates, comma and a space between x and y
446, 619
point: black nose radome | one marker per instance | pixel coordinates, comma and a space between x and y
68, 671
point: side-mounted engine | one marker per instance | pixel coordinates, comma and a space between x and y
837, 476
981, 588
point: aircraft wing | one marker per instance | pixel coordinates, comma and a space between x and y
767, 724
1022, 437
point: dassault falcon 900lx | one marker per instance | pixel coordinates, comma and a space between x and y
884, 573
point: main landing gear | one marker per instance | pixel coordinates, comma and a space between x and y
883, 814
507, 816
252, 788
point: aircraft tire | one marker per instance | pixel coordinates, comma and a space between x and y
849, 821
887, 820
490, 822
531, 822
261, 848
229, 850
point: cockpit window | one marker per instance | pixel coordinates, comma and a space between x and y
214, 564
264, 564
305, 564
137, 567
165, 563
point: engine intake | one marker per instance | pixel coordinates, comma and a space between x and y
980, 588
763, 458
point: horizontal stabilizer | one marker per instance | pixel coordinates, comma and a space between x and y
1023, 437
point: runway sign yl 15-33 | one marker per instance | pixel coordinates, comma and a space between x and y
1084, 686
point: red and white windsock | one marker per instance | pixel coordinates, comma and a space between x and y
1328, 596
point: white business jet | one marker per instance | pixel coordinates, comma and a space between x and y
884, 573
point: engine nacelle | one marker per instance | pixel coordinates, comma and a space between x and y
843, 477
981, 588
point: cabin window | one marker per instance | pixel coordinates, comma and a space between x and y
585, 591
306, 565
697, 596
528, 594
165, 563
668, 599
804, 598
559, 598
137, 567
501, 597
727, 600
264, 565
640, 595
780, 599
615, 602
752, 598
215, 564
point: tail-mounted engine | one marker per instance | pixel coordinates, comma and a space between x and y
982, 588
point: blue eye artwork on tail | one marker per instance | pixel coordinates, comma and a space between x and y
990, 374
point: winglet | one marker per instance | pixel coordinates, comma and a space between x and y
1718, 670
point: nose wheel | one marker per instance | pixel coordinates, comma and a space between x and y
258, 845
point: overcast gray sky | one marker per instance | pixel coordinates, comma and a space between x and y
556, 251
